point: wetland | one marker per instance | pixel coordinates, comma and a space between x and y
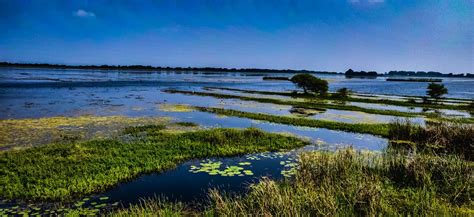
104, 142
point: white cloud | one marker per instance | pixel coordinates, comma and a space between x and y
83, 13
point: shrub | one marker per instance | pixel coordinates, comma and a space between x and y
436, 90
342, 93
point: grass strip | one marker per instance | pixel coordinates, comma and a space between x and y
375, 129
64, 171
356, 99
307, 105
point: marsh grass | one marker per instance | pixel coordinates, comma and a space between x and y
409, 103
375, 129
314, 103
68, 170
440, 137
350, 183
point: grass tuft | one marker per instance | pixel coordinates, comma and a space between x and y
447, 137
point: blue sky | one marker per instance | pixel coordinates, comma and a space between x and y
330, 35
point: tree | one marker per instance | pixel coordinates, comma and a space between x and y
436, 90
309, 83
342, 93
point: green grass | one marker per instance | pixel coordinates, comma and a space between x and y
346, 183
375, 129
66, 171
407, 103
315, 104
442, 137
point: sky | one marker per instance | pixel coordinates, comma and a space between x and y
332, 35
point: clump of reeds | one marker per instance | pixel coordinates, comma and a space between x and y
352, 183
445, 137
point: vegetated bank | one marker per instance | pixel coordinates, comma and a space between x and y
321, 105
65, 171
333, 96
374, 129
308, 105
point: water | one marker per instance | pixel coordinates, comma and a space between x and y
458, 87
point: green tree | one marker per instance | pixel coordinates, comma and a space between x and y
342, 93
310, 83
436, 90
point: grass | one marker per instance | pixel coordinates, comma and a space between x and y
315, 104
375, 129
441, 137
69, 170
155, 207
346, 183
408, 103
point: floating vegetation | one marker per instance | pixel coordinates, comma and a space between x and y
290, 167
215, 168
175, 108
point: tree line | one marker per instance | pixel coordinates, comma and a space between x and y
348, 73
157, 68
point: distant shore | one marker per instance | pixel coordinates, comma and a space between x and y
217, 70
